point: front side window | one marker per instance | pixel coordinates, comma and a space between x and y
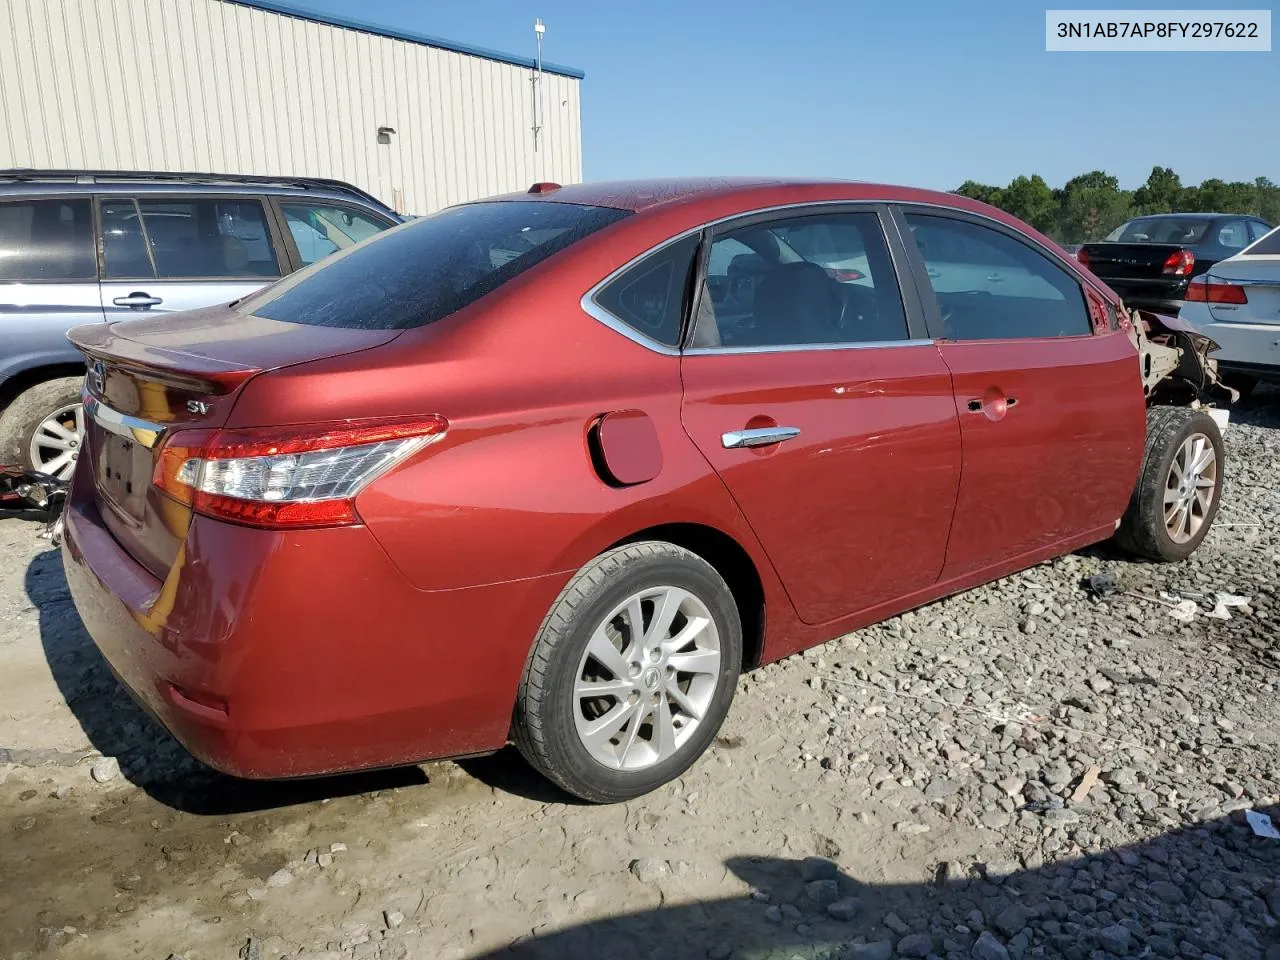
818, 279
186, 239
47, 240
990, 286
319, 229
426, 269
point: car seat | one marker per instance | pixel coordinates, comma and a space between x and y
797, 303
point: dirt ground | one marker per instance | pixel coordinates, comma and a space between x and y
931, 763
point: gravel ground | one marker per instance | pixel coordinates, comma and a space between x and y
1021, 771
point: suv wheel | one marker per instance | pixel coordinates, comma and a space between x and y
631, 674
43, 428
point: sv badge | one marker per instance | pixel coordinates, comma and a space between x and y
197, 407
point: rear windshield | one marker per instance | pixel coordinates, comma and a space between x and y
1160, 230
1267, 246
429, 268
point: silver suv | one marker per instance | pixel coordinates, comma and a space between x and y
80, 246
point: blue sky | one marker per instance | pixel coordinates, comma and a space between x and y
927, 94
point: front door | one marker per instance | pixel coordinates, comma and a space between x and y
833, 429
1051, 412
161, 254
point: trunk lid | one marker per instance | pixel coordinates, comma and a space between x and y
1260, 278
1129, 261
149, 378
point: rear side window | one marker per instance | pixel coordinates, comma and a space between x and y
990, 286
1233, 235
650, 296
186, 239
47, 240
427, 269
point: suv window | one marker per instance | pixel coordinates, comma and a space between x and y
429, 268
819, 279
186, 239
991, 286
47, 240
319, 229
649, 297
1258, 229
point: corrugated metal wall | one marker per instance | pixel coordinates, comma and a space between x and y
211, 86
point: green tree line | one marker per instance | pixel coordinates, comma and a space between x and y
1090, 206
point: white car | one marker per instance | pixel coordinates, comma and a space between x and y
1237, 305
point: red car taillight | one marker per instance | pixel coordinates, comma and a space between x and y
1082, 255
1179, 263
301, 476
1205, 289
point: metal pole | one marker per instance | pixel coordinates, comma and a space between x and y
538, 30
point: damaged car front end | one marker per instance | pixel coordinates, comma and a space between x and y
1174, 361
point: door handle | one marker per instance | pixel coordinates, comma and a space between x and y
138, 299
976, 405
760, 437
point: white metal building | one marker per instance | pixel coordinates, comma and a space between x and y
256, 86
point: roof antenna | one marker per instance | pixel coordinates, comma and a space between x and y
538, 30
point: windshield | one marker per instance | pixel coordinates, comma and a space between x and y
1160, 230
427, 269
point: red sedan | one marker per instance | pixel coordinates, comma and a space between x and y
555, 468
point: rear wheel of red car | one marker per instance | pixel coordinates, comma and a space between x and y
631, 674
1179, 485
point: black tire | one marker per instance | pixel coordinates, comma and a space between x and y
1142, 529
28, 410
544, 728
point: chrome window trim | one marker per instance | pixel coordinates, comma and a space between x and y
132, 428
593, 309
803, 347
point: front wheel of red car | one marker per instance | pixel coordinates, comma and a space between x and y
1179, 486
631, 674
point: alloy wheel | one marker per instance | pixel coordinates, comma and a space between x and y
1190, 487
647, 678
55, 444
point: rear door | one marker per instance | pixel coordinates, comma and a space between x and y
1051, 411
48, 279
161, 254
816, 396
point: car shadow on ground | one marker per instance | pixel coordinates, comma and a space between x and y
1260, 409
1206, 891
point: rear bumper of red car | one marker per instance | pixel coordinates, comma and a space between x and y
271, 654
